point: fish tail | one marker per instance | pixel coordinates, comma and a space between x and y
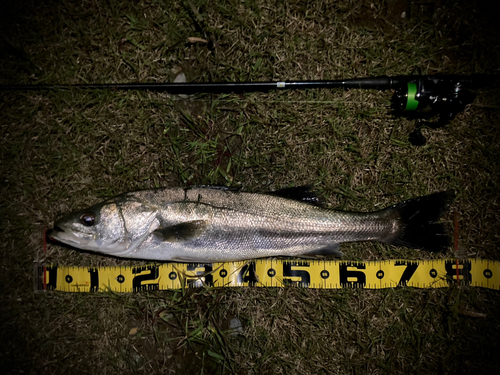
419, 222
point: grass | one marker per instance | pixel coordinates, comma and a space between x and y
65, 150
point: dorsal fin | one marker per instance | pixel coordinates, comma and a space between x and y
301, 194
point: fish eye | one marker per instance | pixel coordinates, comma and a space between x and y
87, 219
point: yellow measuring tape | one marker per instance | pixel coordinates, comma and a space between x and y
321, 274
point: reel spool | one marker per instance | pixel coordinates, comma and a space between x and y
426, 97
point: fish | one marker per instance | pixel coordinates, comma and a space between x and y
218, 224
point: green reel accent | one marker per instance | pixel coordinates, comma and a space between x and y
411, 102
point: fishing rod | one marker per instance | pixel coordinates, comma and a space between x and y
420, 97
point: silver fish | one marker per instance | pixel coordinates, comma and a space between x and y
210, 224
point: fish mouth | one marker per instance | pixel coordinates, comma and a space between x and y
85, 241
52, 233
55, 229
58, 234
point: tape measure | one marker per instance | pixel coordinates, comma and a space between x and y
323, 274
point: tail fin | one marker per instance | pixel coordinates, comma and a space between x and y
419, 218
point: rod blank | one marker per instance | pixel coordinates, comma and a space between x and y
380, 83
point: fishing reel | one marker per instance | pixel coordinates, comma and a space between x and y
425, 97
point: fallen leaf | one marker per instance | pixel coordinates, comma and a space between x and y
472, 314
193, 39
133, 331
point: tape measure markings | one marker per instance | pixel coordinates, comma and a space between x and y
322, 274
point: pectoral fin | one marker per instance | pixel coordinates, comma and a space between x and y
181, 232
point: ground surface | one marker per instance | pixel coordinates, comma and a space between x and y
66, 150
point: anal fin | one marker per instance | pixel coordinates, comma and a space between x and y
330, 250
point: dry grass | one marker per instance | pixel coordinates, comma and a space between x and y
64, 150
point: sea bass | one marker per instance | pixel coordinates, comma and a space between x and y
211, 224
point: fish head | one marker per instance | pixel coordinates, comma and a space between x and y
99, 228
